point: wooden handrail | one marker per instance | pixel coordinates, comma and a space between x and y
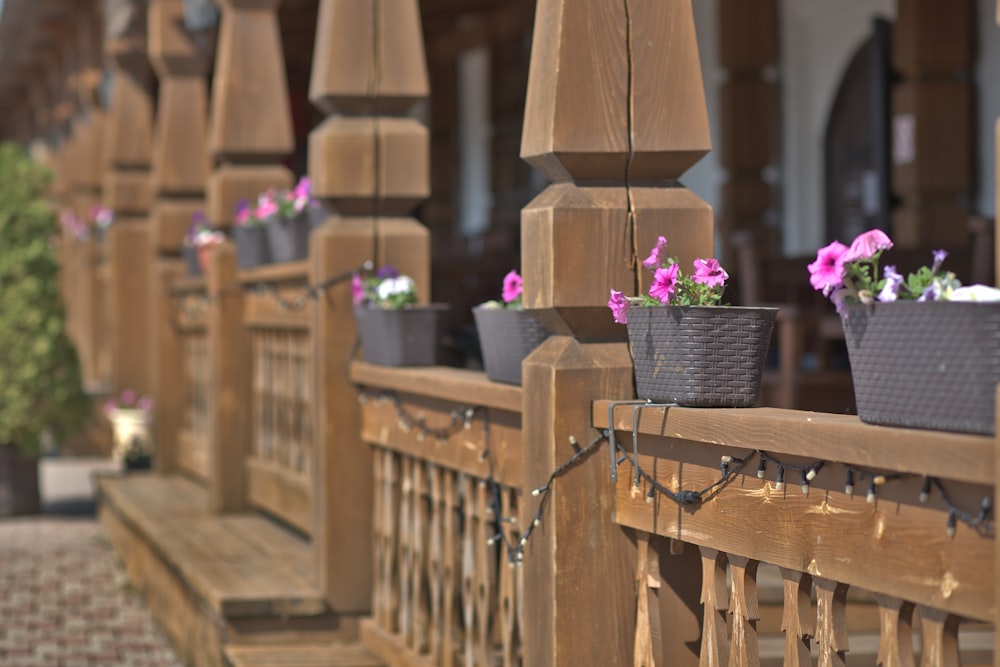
286, 272
844, 438
450, 384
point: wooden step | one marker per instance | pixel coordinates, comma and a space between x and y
318, 655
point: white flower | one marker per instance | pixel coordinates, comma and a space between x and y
392, 286
975, 293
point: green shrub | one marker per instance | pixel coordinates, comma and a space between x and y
40, 386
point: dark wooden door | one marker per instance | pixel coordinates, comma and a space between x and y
856, 147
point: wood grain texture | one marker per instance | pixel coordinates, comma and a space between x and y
842, 438
449, 384
797, 621
791, 529
280, 492
566, 139
128, 292
748, 34
939, 638
831, 623
166, 367
933, 40
745, 611
895, 647
715, 602
228, 386
575, 543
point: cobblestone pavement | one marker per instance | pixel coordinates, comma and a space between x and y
65, 600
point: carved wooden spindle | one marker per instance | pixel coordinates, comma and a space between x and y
485, 574
507, 591
451, 569
406, 538
831, 622
378, 535
797, 621
895, 647
418, 595
715, 599
392, 500
647, 583
744, 608
938, 638
610, 126
435, 560
469, 571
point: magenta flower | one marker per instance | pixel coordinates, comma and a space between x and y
867, 245
357, 289
664, 283
145, 404
709, 272
512, 287
128, 397
827, 272
619, 306
242, 212
653, 261
266, 206
303, 187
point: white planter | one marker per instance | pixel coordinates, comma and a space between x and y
130, 427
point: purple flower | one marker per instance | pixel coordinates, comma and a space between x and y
932, 293
827, 272
242, 212
128, 397
893, 281
939, 257
387, 272
664, 282
357, 289
708, 272
145, 404
512, 286
867, 245
653, 261
839, 298
303, 188
619, 306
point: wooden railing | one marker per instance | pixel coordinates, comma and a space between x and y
190, 307
82, 286
277, 320
448, 458
896, 517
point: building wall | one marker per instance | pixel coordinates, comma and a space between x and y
988, 82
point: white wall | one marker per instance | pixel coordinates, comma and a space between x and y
706, 177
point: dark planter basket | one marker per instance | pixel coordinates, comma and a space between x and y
288, 239
506, 338
929, 365
700, 356
141, 462
191, 260
405, 337
251, 246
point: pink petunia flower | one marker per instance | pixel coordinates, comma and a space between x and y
866, 245
512, 287
266, 206
242, 213
145, 404
619, 306
357, 289
664, 283
709, 272
128, 397
827, 272
653, 261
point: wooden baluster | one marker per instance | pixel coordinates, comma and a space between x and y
831, 622
643, 655
715, 598
797, 620
938, 638
485, 569
469, 570
450, 568
406, 539
418, 596
743, 606
394, 499
435, 561
895, 648
507, 589
378, 540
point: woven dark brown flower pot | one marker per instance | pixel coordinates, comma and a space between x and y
251, 246
700, 356
506, 337
405, 337
288, 240
932, 365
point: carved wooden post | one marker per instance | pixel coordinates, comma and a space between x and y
128, 142
369, 160
932, 122
611, 137
180, 170
251, 127
750, 127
